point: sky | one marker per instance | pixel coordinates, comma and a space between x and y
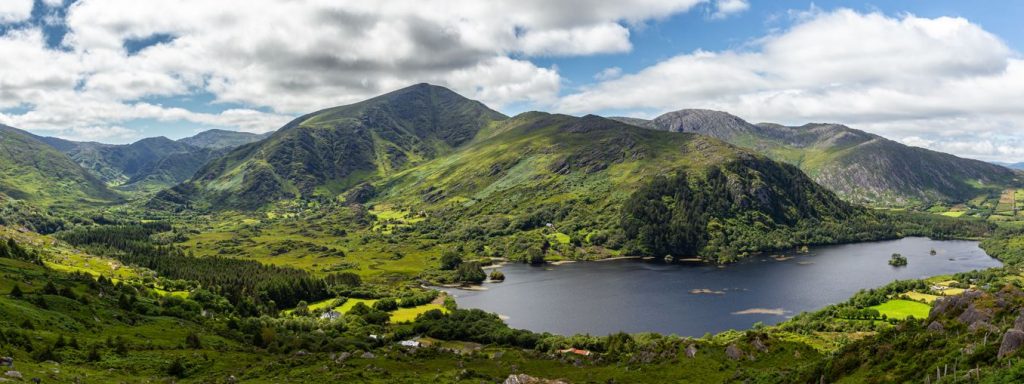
941, 74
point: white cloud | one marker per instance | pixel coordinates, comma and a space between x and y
12, 11
297, 56
608, 73
900, 77
726, 8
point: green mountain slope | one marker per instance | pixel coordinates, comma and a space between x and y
329, 151
221, 139
606, 183
859, 166
33, 171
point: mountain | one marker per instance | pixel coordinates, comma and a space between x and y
859, 166
221, 139
147, 164
33, 171
660, 193
329, 151
1011, 165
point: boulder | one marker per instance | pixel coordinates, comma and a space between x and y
13, 374
342, 357
734, 352
527, 379
952, 304
982, 326
759, 345
691, 351
1018, 324
936, 326
368, 355
973, 315
1012, 341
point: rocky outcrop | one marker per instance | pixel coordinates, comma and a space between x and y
527, 379
1018, 324
1012, 341
936, 326
734, 352
973, 315
691, 351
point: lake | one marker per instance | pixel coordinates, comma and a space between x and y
689, 300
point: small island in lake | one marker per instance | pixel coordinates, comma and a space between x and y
898, 260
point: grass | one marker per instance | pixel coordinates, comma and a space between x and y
352, 303
953, 213
918, 296
561, 238
901, 309
409, 314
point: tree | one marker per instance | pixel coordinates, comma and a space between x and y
302, 309
50, 289
470, 273
535, 255
450, 259
16, 292
192, 341
385, 305
94, 354
177, 368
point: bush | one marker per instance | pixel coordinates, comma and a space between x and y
470, 273
386, 305
450, 259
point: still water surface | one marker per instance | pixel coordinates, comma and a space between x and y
636, 296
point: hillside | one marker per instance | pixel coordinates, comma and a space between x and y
859, 166
33, 171
329, 151
222, 139
603, 183
148, 164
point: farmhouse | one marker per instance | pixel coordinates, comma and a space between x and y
330, 315
581, 352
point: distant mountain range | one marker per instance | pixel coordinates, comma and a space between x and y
364, 149
859, 166
152, 163
1010, 165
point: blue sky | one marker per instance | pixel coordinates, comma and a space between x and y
940, 74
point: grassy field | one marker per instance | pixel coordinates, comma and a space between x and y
409, 314
918, 296
901, 309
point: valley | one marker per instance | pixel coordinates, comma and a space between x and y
360, 243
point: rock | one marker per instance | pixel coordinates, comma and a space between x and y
936, 326
691, 351
368, 355
1018, 324
232, 379
973, 315
734, 352
982, 326
342, 357
1012, 341
527, 379
301, 352
951, 304
759, 345
13, 374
